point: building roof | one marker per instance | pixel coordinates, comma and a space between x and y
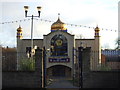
33, 39
58, 31
58, 25
84, 39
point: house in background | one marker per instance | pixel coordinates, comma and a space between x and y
111, 58
9, 59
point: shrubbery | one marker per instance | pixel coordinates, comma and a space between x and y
27, 64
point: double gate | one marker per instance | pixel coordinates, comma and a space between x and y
82, 56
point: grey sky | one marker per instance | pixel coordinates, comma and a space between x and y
80, 12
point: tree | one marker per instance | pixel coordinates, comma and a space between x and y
106, 46
79, 36
117, 43
27, 64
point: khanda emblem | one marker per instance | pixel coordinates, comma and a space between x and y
59, 42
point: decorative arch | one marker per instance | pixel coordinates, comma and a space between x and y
59, 71
59, 45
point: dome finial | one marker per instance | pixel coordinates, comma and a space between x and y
58, 15
19, 25
97, 25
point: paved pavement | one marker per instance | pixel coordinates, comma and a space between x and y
62, 83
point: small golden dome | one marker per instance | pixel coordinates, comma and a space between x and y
58, 25
19, 33
19, 29
97, 31
97, 28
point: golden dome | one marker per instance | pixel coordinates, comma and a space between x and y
97, 28
19, 29
19, 32
58, 25
97, 31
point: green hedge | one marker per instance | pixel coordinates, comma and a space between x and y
27, 64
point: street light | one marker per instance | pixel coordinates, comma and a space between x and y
26, 11
39, 10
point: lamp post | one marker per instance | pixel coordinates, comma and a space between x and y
32, 16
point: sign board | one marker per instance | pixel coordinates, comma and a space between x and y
59, 60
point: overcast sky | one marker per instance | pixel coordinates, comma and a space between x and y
103, 13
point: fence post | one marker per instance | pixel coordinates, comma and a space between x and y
44, 67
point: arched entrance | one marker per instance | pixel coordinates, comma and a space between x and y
59, 71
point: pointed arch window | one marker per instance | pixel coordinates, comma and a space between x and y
59, 45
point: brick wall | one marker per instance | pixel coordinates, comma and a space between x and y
102, 79
24, 79
20, 79
113, 65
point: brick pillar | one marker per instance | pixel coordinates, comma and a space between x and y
38, 67
86, 59
40, 58
84, 64
80, 68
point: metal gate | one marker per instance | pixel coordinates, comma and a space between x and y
82, 66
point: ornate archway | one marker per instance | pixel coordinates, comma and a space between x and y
59, 71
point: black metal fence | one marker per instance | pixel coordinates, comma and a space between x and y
103, 77
112, 55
